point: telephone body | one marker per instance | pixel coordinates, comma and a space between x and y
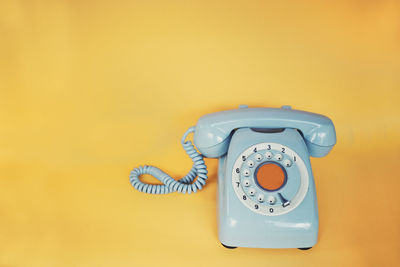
266, 190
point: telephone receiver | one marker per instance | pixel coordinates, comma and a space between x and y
266, 189
213, 131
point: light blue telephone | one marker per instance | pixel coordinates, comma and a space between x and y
266, 189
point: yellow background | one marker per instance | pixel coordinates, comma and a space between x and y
91, 89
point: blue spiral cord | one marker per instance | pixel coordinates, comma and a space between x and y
183, 185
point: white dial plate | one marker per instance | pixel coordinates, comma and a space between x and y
265, 208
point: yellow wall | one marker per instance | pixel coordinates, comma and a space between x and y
90, 89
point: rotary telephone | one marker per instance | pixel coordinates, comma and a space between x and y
266, 190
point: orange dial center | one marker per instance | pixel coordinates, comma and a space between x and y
270, 176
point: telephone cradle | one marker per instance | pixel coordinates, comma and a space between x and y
266, 189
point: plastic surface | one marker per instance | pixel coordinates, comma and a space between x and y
240, 226
281, 138
213, 131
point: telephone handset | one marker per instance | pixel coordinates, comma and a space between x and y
266, 189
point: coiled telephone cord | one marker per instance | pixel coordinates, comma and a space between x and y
183, 185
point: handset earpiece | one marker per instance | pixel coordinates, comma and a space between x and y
317, 151
212, 151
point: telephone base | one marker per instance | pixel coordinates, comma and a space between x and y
243, 220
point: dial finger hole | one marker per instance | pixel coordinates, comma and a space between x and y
278, 156
252, 191
246, 172
268, 155
271, 199
250, 163
287, 163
